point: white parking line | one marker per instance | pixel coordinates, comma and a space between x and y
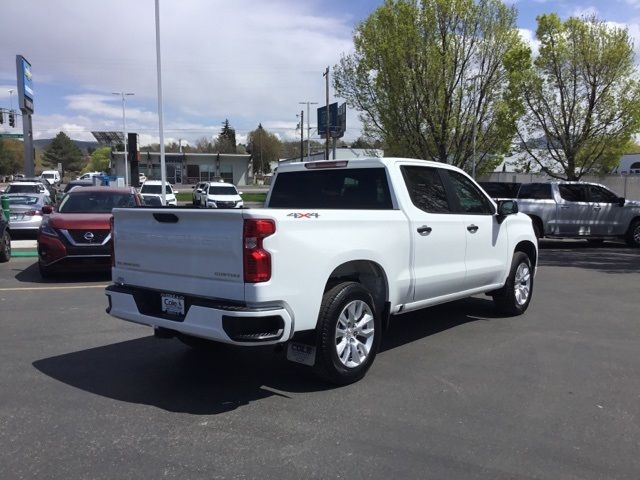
71, 287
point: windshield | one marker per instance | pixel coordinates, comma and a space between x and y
22, 189
23, 200
94, 202
226, 190
155, 189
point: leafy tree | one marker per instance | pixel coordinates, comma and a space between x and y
427, 74
11, 156
63, 150
99, 161
582, 96
264, 147
226, 141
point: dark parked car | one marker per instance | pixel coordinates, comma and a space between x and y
5, 240
77, 183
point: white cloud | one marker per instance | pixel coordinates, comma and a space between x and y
529, 37
585, 12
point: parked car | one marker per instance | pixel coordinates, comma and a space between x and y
5, 241
220, 195
77, 183
22, 187
340, 246
52, 177
197, 193
25, 211
76, 235
89, 175
154, 188
580, 210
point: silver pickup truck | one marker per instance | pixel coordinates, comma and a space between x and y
580, 210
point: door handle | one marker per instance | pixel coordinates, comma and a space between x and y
564, 207
472, 228
424, 230
597, 208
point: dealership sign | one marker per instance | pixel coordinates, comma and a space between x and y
25, 84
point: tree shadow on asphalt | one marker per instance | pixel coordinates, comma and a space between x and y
32, 275
606, 258
173, 377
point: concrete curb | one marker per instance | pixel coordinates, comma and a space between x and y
24, 248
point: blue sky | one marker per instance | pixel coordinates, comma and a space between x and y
247, 60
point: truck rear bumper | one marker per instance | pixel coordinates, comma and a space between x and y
234, 324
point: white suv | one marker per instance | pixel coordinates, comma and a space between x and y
153, 188
220, 195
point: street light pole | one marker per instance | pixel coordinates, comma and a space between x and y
163, 173
124, 133
308, 128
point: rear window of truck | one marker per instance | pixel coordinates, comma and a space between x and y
536, 191
339, 189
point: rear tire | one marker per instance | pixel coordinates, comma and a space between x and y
633, 234
5, 247
514, 298
349, 332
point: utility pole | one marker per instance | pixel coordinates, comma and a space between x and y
163, 171
308, 128
326, 144
302, 135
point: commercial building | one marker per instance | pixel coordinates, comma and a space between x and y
190, 167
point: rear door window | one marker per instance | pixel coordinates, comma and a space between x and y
573, 192
426, 189
353, 188
536, 191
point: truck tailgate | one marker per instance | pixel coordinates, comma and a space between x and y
198, 252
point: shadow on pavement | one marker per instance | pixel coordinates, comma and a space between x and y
32, 275
173, 377
606, 258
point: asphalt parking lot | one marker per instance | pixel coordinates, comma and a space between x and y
457, 391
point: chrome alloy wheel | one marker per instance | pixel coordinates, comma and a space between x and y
354, 333
522, 284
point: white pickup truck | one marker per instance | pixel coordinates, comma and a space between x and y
339, 248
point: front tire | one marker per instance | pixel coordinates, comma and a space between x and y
348, 334
514, 298
633, 234
5, 247
45, 272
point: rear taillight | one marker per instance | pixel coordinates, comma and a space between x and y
113, 253
257, 261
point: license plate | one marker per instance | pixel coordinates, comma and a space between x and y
172, 304
301, 353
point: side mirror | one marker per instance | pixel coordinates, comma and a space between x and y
507, 207
47, 209
175, 191
621, 201
239, 193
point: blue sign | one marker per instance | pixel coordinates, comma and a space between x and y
25, 84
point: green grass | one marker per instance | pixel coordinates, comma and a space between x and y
247, 197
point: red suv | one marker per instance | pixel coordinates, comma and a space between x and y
76, 236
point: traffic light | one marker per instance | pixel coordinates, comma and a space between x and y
12, 119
